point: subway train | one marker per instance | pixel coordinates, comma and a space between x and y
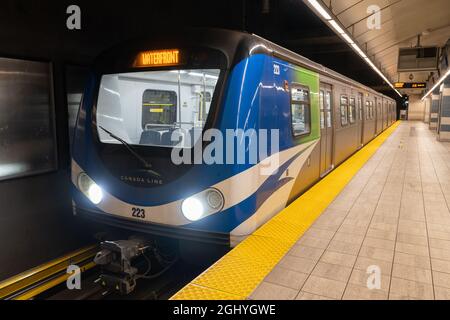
149, 99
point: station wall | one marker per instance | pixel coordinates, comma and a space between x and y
416, 109
36, 222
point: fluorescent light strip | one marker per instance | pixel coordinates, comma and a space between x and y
211, 76
320, 9
336, 27
372, 65
347, 38
441, 79
196, 74
358, 50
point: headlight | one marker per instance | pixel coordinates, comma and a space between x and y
202, 204
192, 208
89, 188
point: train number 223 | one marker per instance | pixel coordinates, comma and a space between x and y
138, 213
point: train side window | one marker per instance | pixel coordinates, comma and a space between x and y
344, 110
300, 110
352, 110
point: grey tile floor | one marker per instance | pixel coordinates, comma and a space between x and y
394, 215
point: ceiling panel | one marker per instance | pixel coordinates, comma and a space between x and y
401, 22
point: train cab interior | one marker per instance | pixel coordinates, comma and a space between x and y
145, 108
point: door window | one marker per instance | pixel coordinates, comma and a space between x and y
322, 115
300, 110
328, 107
352, 110
360, 109
344, 110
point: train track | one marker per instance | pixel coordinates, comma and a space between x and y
35, 281
48, 281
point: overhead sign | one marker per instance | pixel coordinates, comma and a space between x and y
410, 85
158, 58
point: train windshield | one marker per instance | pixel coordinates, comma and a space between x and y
155, 108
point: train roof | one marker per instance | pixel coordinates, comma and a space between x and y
235, 45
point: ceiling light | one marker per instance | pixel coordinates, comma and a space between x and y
358, 50
195, 74
320, 9
316, 4
347, 38
441, 79
336, 27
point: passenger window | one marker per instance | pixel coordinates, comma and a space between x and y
344, 110
300, 110
352, 110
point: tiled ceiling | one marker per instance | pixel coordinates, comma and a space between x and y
401, 23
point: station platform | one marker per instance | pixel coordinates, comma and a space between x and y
386, 206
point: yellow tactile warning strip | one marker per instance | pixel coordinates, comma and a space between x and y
240, 271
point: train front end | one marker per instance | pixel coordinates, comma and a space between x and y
133, 161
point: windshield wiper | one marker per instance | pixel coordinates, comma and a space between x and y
146, 164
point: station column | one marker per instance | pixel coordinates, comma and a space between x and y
444, 112
426, 118
434, 109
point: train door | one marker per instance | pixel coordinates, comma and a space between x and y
360, 120
326, 129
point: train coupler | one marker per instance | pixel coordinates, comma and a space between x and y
115, 258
